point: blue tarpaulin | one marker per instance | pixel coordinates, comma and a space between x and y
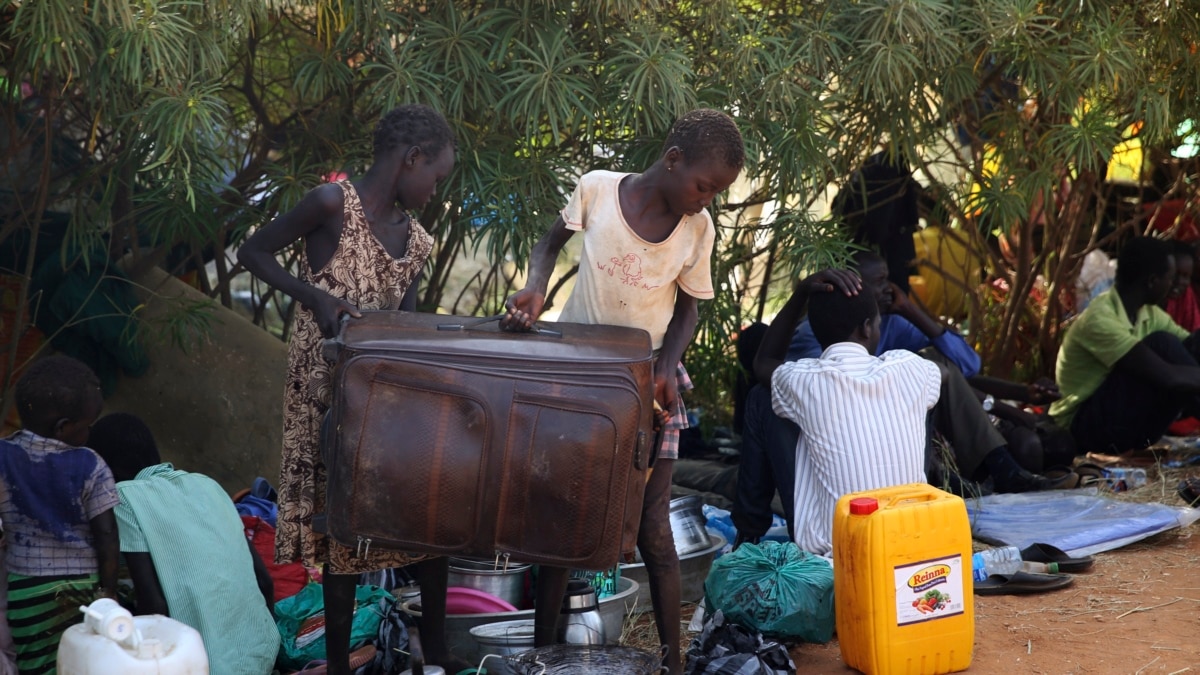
1080, 522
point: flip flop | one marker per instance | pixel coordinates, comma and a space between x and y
1090, 474
1061, 478
1189, 491
1021, 583
1045, 553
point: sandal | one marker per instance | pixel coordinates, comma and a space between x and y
1135, 458
1189, 491
1090, 474
1045, 553
1022, 583
1058, 478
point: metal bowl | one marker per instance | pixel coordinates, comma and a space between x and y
503, 638
613, 610
693, 570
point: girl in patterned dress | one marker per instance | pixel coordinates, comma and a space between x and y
361, 251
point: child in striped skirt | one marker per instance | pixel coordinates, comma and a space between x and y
56, 503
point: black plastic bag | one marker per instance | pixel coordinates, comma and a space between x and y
724, 648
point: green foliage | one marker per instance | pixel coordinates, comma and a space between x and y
180, 125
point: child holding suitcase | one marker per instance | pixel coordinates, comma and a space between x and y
647, 241
361, 251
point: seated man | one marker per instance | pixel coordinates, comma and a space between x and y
979, 449
862, 418
904, 325
186, 551
1125, 368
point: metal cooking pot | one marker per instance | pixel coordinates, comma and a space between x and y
504, 638
499, 578
687, 525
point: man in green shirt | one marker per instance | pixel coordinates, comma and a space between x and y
187, 551
1126, 369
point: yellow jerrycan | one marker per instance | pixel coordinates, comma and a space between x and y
902, 581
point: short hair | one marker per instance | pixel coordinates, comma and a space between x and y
864, 257
55, 387
1140, 259
125, 443
834, 316
705, 133
411, 125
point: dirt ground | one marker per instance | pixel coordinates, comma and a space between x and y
1137, 611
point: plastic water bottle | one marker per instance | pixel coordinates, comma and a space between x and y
1121, 479
1039, 568
1001, 560
1006, 560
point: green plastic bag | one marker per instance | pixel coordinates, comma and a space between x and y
774, 588
301, 623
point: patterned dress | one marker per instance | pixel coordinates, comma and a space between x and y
364, 274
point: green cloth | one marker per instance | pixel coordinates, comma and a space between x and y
192, 531
40, 610
1095, 342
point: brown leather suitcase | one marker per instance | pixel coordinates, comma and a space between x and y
450, 436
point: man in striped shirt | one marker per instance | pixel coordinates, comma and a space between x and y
863, 419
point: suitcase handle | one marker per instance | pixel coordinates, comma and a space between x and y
645, 449
331, 347
487, 319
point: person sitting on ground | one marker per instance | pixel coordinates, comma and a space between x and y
862, 418
905, 325
1126, 369
979, 449
966, 394
1181, 301
186, 552
56, 503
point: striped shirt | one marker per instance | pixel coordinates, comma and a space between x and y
192, 531
862, 426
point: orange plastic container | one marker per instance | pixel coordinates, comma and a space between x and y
902, 581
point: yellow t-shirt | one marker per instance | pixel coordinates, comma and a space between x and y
625, 280
1095, 342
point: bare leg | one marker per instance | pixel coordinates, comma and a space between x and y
432, 576
657, 546
547, 604
339, 613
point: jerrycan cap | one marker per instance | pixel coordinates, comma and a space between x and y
863, 506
